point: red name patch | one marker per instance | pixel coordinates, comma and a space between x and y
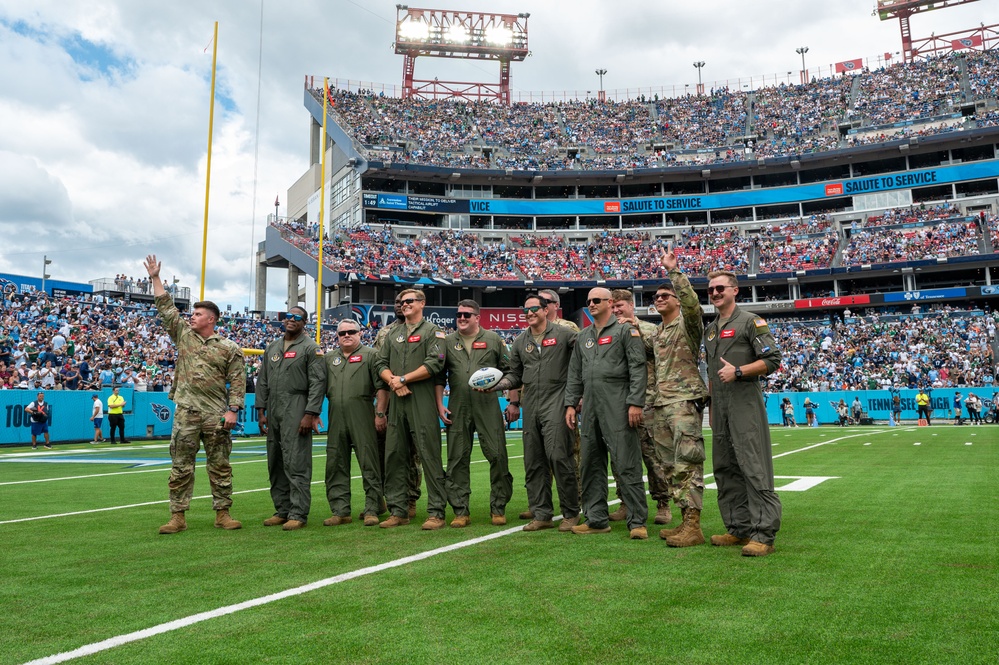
548, 342
604, 340
414, 338
728, 333
479, 345
289, 354
355, 359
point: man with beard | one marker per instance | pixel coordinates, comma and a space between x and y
289, 397
740, 349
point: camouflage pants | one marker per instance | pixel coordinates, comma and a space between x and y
679, 448
657, 471
190, 429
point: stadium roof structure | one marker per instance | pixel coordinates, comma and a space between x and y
443, 33
980, 37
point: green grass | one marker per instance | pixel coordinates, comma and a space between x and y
892, 561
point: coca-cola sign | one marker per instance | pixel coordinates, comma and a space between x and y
832, 301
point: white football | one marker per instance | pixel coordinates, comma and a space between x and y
485, 378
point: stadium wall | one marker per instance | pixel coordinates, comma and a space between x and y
151, 414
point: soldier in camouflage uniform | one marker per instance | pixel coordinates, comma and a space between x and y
657, 470
415, 473
290, 391
408, 363
205, 410
607, 369
470, 412
539, 358
352, 385
678, 400
740, 349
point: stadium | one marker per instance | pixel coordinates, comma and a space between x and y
859, 208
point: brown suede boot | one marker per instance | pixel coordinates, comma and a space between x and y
275, 520
394, 521
371, 520
293, 525
176, 524
526, 515
619, 515
666, 533
497, 520
538, 525
337, 520
460, 521
663, 514
728, 540
756, 548
223, 520
639, 533
433, 523
566, 524
690, 531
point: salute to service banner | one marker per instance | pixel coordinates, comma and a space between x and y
669, 204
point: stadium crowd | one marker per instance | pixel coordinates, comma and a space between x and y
717, 126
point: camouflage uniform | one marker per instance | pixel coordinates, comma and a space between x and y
351, 386
608, 371
740, 449
547, 441
291, 383
475, 412
204, 367
676, 395
413, 420
415, 470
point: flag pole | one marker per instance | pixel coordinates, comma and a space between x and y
208, 171
322, 210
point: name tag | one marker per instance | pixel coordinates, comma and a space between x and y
414, 338
728, 333
548, 342
604, 340
479, 345
354, 359
290, 354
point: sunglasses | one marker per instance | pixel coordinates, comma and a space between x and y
465, 315
719, 289
532, 309
295, 317
409, 301
596, 301
664, 296
344, 333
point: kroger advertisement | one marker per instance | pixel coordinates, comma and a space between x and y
737, 199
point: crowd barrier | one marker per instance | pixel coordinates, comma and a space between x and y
149, 415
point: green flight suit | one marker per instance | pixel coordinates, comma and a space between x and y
351, 385
608, 372
475, 412
291, 382
548, 443
740, 447
412, 420
415, 474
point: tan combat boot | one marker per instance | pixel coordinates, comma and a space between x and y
293, 525
223, 520
639, 533
497, 520
586, 530
337, 520
567, 523
756, 548
666, 533
619, 515
690, 531
460, 521
663, 514
275, 520
526, 515
394, 521
728, 540
433, 523
176, 524
371, 520
538, 525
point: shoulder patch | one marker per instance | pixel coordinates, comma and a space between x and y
635, 333
439, 335
760, 323
319, 352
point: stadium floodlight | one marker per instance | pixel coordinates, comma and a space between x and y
601, 72
802, 50
459, 34
700, 86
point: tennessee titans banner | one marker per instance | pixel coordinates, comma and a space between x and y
850, 65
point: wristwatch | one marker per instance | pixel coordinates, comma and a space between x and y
234, 409
738, 372
379, 414
402, 379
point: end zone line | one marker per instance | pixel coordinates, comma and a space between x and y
110, 643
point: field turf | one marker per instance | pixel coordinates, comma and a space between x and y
887, 554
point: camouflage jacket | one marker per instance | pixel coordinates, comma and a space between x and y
675, 348
204, 365
384, 332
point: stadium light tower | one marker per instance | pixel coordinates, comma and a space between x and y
443, 33
700, 86
600, 72
802, 50
46, 262
981, 37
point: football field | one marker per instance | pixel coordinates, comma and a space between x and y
887, 554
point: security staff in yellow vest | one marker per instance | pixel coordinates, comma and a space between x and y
116, 416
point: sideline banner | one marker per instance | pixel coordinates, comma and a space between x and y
147, 415
877, 403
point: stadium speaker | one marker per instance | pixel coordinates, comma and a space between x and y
904, 147
706, 173
528, 282
455, 175
620, 177
795, 164
536, 179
